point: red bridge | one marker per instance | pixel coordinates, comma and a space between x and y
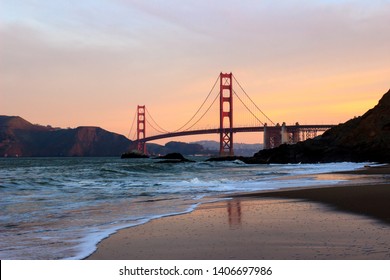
274, 135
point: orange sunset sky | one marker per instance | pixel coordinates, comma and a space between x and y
73, 63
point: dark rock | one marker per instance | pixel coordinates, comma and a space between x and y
227, 158
365, 138
248, 160
134, 154
173, 158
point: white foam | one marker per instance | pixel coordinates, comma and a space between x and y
89, 243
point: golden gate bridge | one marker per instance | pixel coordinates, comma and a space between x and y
273, 134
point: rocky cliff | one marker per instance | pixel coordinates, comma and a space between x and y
19, 137
365, 138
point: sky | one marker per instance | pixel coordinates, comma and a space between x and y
75, 63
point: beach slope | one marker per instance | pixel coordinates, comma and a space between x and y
335, 222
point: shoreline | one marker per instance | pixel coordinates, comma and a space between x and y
327, 222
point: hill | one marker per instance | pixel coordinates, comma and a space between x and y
365, 138
240, 149
19, 137
176, 147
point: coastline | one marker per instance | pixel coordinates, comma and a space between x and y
349, 221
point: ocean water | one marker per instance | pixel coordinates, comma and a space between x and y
60, 208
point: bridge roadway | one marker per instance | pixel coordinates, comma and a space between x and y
290, 128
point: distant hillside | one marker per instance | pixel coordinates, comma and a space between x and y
204, 147
177, 147
240, 149
19, 137
366, 138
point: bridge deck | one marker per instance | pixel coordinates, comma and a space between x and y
235, 130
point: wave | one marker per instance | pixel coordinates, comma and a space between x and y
89, 243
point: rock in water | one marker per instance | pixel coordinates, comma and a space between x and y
134, 154
174, 158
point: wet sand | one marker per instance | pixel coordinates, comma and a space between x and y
337, 222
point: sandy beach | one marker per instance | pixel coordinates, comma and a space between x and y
337, 222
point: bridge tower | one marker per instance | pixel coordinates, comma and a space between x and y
272, 136
226, 114
141, 134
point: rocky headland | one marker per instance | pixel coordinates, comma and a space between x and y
361, 139
19, 137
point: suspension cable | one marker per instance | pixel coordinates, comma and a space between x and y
155, 127
201, 106
162, 129
250, 111
132, 125
216, 97
252, 101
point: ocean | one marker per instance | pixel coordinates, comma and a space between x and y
60, 208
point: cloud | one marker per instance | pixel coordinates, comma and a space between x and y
100, 54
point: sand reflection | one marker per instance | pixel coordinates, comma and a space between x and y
234, 213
